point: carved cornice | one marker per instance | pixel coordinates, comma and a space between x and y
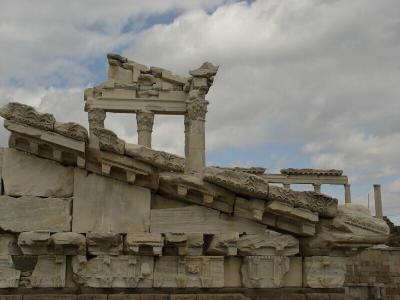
238, 182
325, 206
317, 172
27, 115
109, 141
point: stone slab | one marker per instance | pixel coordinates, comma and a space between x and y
294, 277
123, 271
9, 277
324, 271
104, 243
29, 213
264, 271
49, 272
232, 275
189, 271
10, 297
28, 175
199, 219
50, 297
104, 204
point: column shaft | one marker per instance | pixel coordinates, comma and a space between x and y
145, 121
378, 201
347, 193
317, 188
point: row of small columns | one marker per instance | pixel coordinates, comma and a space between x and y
347, 196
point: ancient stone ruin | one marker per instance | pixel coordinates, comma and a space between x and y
85, 215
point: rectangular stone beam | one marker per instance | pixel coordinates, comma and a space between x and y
133, 105
305, 179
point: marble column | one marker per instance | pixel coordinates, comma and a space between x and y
286, 186
378, 201
347, 193
317, 187
145, 121
195, 136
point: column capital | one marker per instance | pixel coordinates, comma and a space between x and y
145, 121
197, 109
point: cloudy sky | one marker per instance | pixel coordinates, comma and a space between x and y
302, 83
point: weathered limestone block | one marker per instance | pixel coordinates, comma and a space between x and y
224, 244
121, 167
294, 226
264, 271
252, 209
160, 202
51, 297
34, 243
144, 243
68, 243
191, 188
47, 144
296, 213
123, 271
351, 230
324, 271
184, 243
104, 243
33, 213
72, 130
9, 277
8, 245
268, 243
49, 272
162, 160
294, 277
61, 243
27, 175
189, 271
108, 140
239, 182
103, 204
199, 219
324, 205
232, 272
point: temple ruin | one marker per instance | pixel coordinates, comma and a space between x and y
85, 215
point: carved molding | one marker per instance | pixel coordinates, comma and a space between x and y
317, 172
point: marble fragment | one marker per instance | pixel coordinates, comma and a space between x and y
104, 243
264, 271
353, 229
189, 271
123, 271
225, 244
324, 271
49, 272
268, 243
144, 244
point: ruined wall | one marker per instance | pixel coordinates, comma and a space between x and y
376, 266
